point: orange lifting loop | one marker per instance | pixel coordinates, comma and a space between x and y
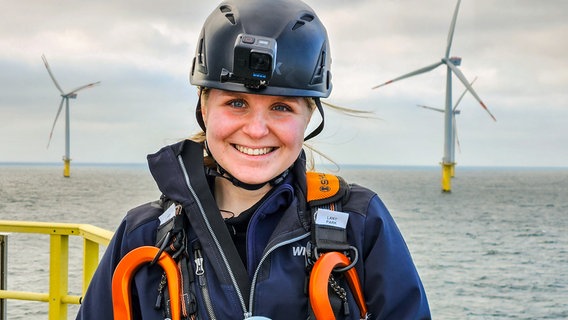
319, 279
122, 278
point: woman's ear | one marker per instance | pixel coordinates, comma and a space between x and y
202, 106
203, 112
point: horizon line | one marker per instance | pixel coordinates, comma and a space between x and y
341, 165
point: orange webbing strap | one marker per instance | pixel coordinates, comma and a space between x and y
319, 279
321, 186
122, 279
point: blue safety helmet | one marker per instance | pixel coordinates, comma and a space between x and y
270, 47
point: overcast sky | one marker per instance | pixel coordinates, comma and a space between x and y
141, 52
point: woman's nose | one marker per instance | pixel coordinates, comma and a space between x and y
256, 125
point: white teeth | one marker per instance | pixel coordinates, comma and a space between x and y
253, 152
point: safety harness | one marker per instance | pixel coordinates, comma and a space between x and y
329, 257
328, 254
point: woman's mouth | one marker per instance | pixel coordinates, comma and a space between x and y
253, 151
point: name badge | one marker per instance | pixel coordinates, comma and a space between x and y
329, 218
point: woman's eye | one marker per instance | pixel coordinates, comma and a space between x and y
237, 103
282, 107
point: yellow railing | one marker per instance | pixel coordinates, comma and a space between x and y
58, 296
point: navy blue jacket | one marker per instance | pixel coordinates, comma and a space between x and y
275, 275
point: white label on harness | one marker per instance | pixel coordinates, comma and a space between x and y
337, 219
168, 214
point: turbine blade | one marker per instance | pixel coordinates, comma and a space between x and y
55, 121
463, 79
430, 108
83, 87
463, 94
51, 74
452, 28
410, 74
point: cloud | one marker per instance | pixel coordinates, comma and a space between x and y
141, 52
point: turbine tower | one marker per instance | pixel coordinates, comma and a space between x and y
452, 64
64, 99
455, 111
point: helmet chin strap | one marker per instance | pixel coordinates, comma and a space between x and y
320, 127
222, 173
198, 115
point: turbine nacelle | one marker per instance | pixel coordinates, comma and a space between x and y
456, 61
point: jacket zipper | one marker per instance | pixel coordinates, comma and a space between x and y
215, 239
256, 272
202, 279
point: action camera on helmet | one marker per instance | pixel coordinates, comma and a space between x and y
253, 63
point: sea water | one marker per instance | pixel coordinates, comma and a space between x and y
496, 247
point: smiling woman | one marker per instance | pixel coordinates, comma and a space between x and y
238, 211
254, 137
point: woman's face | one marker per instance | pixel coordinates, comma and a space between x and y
254, 137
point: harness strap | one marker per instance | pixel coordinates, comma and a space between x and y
127, 267
319, 278
328, 250
191, 157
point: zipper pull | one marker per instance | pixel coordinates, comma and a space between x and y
198, 259
199, 263
199, 266
202, 279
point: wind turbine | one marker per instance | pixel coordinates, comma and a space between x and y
64, 99
455, 111
452, 64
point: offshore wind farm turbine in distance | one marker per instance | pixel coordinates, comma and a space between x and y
452, 64
64, 100
455, 111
